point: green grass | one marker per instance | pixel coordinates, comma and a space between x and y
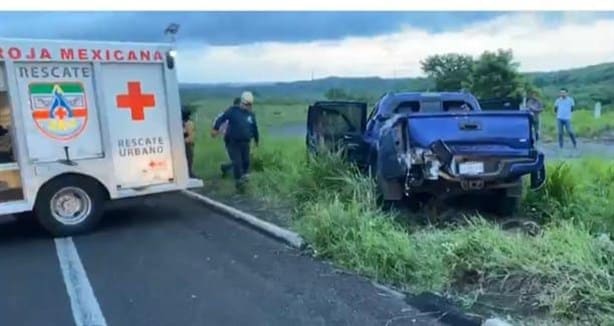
583, 123
566, 273
577, 190
268, 113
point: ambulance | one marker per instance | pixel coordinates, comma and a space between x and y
84, 123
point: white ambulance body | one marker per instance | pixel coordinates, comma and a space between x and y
86, 122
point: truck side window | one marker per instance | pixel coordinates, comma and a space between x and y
408, 107
456, 106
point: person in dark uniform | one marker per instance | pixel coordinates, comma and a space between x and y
188, 137
241, 128
227, 167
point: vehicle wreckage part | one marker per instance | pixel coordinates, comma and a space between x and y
442, 151
388, 162
538, 178
472, 184
431, 168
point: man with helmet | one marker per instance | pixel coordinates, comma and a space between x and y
241, 127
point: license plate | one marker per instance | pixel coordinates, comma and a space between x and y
471, 168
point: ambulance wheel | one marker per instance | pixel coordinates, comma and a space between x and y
69, 205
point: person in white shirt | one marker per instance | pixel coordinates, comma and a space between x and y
564, 106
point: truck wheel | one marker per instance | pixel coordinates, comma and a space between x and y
69, 205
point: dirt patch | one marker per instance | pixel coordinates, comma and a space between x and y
600, 147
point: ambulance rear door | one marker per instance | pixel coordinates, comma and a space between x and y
59, 111
137, 113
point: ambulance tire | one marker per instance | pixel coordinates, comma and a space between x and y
87, 197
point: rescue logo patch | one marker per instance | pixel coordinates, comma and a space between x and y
59, 109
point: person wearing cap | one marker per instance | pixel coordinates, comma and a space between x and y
188, 137
241, 128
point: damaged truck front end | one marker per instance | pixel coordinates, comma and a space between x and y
439, 154
438, 144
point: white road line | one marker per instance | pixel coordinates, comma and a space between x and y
85, 308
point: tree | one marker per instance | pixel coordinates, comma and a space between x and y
491, 75
451, 71
495, 74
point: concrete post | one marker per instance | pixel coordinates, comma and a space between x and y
597, 112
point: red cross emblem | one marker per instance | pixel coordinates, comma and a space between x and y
136, 101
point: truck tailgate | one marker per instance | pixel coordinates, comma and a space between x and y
475, 133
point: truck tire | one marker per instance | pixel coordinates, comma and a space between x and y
69, 205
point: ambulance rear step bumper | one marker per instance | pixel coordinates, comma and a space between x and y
195, 183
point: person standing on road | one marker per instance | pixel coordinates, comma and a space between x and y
241, 128
188, 137
535, 106
564, 106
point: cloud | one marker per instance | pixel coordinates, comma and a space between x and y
222, 28
539, 43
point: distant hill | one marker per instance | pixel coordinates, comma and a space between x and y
587, 85
308, 90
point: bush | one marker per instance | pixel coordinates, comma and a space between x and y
582, 190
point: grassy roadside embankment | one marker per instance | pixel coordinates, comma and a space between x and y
566, 273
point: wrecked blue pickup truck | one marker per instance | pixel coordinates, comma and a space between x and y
435, 144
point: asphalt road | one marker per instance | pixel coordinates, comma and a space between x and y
171, 261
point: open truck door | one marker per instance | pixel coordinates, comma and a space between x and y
337, 125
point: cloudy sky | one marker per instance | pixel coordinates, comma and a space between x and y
266, 46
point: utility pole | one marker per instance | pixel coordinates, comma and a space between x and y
171, 30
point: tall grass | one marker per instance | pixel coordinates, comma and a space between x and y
581, 190
565, 272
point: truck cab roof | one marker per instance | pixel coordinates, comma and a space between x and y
391, 102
